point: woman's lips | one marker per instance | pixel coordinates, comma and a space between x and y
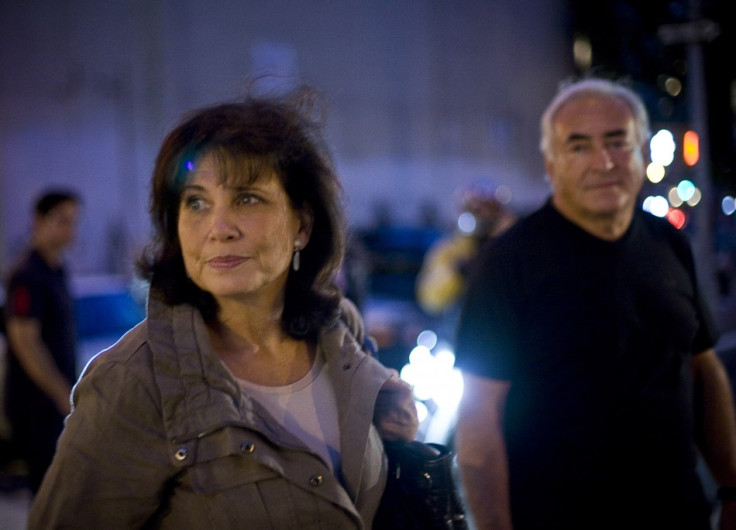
225, 262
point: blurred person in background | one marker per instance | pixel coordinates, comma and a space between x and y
244, 399
39, 315
587, 352
441, 280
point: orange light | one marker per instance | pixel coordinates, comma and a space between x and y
691, 148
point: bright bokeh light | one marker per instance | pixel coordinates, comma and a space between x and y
420, 355
413, 374
656, 205
662, 147
422, 411
674, 198
427, 338
655, 172
450, 392
445, 358
728, 205
433, 376
466, 223
685, 190
695, 199
419, 373
408, 373
691, 148
676, 218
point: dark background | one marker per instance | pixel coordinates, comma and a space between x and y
623, 34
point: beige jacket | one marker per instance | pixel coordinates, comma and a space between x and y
161, 436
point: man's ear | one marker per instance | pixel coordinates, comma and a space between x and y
549, 172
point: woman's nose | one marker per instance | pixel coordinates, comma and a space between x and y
223, 226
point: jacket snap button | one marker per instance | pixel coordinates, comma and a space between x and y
181, 454
247, 447
316, 480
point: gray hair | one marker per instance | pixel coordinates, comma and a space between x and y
596, 87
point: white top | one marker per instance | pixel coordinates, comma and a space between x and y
306, 408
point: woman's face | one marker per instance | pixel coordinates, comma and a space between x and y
237, 240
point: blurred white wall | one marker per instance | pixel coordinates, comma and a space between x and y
423, 95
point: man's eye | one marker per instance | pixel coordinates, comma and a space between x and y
578, 148
618, 145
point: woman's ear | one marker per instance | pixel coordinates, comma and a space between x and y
306, 221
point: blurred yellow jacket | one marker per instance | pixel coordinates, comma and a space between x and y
441, 279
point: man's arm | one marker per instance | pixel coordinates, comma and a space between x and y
24, 336
481, 452
716, 425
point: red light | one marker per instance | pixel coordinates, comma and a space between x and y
691, 148
677, 218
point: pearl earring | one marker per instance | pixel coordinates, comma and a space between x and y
295, 262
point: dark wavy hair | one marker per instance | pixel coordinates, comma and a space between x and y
250, 138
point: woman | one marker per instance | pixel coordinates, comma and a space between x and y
244, 399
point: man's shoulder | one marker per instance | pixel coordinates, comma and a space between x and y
530, 228
661, 229
527, 241
659, 225
25, 283
28, 267
22, 266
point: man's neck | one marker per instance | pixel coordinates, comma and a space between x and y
50, 254
606, 227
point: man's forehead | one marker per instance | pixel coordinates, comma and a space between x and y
63, 209
593, 116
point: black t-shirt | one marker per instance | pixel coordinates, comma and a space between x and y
595, 338
36, 290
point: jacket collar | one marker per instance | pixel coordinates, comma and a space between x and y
199, 395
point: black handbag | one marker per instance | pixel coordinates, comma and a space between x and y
421, 493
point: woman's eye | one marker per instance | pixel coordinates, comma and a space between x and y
248, 198
193, 203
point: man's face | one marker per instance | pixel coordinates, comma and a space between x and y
58, 228
597, 164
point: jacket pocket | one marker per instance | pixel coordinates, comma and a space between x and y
228, 458
238, 479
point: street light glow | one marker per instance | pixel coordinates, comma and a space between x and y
655, 173
662, 148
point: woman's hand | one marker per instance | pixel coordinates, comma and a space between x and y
395, 414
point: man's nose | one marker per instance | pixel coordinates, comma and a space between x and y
602, 159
